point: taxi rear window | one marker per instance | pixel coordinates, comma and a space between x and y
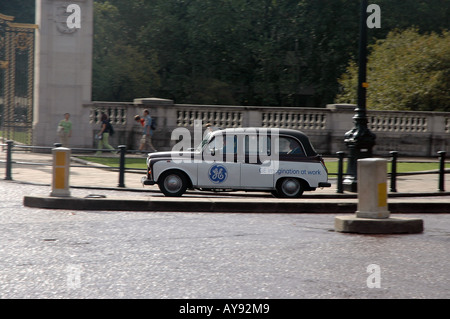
290, 146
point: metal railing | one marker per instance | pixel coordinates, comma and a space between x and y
122, 151
394, 171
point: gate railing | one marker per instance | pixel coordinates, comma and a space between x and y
17, 79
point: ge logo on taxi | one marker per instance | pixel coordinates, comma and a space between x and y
218, 173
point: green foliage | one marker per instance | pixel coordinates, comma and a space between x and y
406, 71
121, 71
247, 52
257, 52
21, 10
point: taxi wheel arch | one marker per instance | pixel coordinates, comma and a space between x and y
173, 183
290, 187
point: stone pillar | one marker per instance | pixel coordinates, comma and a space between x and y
372, 197
63, 68
372, 216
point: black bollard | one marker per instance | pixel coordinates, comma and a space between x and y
442, 171
340, 177
9, 147
123, 149
394, 155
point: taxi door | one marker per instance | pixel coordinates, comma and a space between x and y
255, 174
219, 167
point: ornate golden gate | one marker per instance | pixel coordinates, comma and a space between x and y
16, 79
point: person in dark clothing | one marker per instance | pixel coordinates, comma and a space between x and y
103, 135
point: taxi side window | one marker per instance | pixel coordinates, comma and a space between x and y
221, 147
251, 145
290, 146
257, 145
223, 144
229, 144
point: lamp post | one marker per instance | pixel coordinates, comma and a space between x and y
359, 140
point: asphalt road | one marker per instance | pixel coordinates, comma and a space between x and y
102, 254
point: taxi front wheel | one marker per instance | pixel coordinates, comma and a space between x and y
173, 184
289, 188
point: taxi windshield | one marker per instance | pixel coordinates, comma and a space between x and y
206, 138
203, 142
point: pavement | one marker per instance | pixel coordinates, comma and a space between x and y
188, 254
415, 193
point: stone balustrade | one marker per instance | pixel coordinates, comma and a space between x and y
409, 133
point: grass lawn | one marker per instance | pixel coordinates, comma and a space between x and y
332, 166
20, 137
115, 161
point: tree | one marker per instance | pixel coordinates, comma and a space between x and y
406, 71
258, 52
121, 72
21, 10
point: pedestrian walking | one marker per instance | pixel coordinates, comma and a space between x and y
65, 130
146, 140
104, 134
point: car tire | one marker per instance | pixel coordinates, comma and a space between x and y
289, 188
173, 184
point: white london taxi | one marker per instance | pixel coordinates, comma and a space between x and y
280, 161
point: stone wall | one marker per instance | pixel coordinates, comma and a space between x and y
409, 133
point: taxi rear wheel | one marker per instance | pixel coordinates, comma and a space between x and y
289, 188
173, 184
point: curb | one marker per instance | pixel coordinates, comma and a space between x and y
183, 205
222, 205
353, 224
248, 194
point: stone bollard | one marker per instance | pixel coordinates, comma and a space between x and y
61, 172
372, 215
372, 188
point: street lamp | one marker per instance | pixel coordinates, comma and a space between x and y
359, 140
